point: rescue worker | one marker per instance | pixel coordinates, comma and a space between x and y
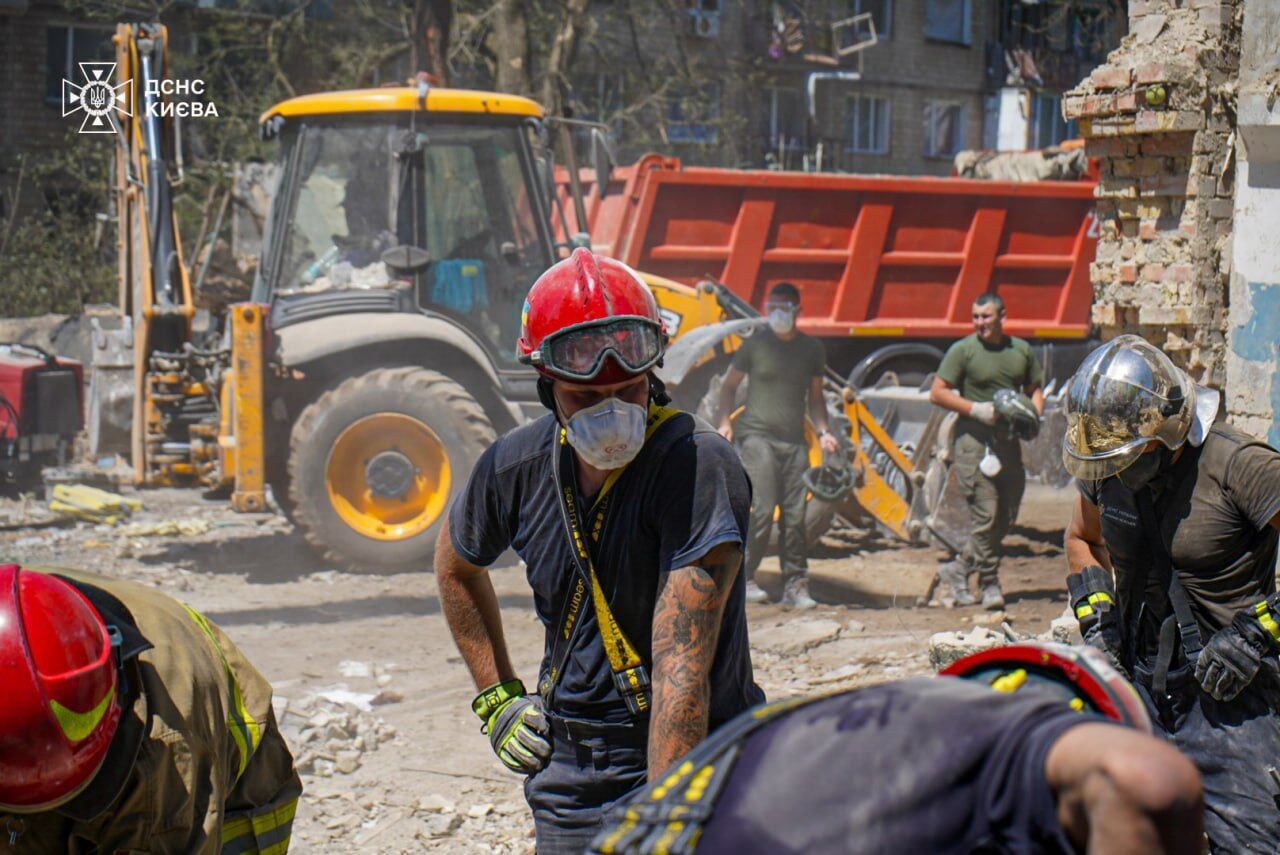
130, 723
785, 367
1058, 759
1172, 553
630, 517
985, 450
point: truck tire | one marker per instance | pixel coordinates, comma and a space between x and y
374, 462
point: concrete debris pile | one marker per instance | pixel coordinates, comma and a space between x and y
330, 736
382, 820
799, 657
947, 647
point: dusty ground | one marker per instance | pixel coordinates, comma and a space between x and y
419, 774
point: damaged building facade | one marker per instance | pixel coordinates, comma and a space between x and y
1183, 121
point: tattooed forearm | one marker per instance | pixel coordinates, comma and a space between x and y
686, 628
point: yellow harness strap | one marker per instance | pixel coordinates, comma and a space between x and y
624, 659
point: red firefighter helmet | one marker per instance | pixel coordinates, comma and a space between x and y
590, 320
1079, 676
60, 709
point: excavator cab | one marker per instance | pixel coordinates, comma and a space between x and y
409, 211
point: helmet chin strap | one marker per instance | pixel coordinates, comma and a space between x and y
657, 393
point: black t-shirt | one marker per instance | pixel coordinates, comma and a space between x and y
924, 765
779, 376
664, 514
1214, 505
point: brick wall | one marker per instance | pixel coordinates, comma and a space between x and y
1158, 117
28, 121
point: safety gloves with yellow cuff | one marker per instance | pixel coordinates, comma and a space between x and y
516, 726
1093, 600
1231, 659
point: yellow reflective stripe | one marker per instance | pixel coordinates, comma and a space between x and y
243, 727
77, 726
234, 828
1086, 608
624, 828
265, 833
663, 846
1268, 622
698, 786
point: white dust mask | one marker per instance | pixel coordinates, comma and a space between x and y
781, 321
608, 435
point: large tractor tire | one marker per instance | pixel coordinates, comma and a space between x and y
374, 462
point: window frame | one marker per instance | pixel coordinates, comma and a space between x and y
71, 68
1039, 100
855, 7
851, 101
930, 108
710, 122
966, 37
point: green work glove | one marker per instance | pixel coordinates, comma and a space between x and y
516, 726
1231, 659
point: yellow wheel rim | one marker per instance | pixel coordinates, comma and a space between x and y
388, 476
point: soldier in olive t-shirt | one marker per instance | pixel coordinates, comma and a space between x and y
973, 370
785, 367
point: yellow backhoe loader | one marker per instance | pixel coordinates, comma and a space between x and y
375, 359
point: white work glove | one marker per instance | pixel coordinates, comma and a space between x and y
984, 412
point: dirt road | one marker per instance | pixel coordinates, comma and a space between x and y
412, 771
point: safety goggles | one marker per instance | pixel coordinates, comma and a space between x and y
578, 352
780, 306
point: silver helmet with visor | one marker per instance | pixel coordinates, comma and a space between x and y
1126, 394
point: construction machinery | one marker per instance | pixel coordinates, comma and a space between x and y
41, 411
375, 359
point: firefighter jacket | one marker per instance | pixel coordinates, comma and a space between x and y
197, 764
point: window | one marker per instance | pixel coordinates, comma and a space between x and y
67, 48
596, 98
947, 21
786, 121
1048, 128
868, 124
943, 128
880, 13
693, 116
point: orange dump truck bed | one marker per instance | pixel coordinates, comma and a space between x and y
874, 256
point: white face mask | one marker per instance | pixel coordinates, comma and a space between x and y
607, 435
781, 321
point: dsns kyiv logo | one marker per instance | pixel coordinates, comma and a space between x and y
97, 98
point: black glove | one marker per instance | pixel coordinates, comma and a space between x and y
515, 725
1093, 600
1231, 659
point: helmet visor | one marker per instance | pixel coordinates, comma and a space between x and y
578, 353
1114, 409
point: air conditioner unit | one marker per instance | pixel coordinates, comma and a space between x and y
705, 17
705, 24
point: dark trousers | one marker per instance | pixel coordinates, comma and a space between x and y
1232, 744
587, 775
776, 469
993, 502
